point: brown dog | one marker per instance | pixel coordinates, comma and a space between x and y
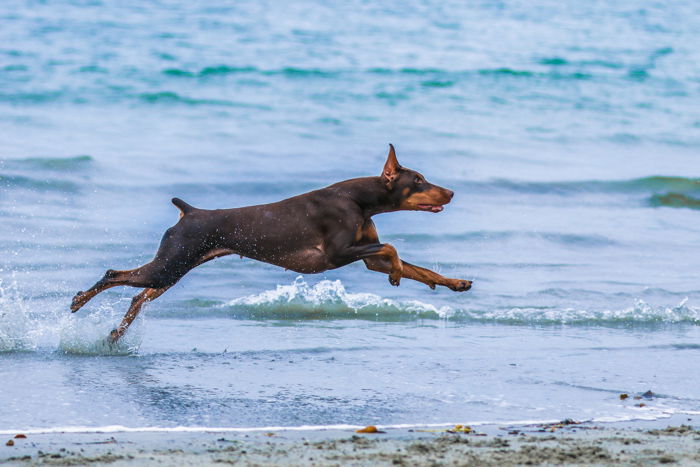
310, 233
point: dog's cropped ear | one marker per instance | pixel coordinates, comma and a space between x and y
391, 168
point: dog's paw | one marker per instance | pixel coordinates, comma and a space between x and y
395, 279
114, 336
459, 285
77, 302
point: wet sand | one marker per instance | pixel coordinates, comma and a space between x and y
641, 443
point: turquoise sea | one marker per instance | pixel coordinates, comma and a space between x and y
569, 131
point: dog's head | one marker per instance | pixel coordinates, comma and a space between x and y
409, 190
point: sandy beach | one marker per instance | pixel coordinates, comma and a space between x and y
641, 443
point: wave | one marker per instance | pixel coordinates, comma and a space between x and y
40, 184
21, 329
96, 91
681, 184
330, 300
654, 183
505, 72
560, 61
58, 164
438, 83
675, 200
30, 98
44, 174
579, 240
168, 97
292, 72
220, 70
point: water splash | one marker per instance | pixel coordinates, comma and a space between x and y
86, 334
18, 330
330, 299
24, 328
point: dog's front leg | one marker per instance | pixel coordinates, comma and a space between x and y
417, 273
389, 252
384, 251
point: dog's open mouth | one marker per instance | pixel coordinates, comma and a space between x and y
430, 207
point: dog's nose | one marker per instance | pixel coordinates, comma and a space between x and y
450, 194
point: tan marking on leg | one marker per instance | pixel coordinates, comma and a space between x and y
146, 295
110, 279
369, 232
417, 273
390, 253
359, 233
81, 298
408, 271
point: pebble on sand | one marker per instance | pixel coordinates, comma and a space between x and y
369, 429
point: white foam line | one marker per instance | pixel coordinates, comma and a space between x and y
340, 427
206, 429
644, 414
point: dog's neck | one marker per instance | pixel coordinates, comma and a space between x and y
370, 194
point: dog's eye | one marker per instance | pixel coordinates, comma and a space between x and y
419, 180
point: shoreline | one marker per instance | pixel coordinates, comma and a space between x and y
673, 440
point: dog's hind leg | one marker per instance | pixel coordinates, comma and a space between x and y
150, 294
137, 302
183, 247
163, 271
158, 273
111, 279
171, 262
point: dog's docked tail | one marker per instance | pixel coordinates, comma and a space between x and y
182, 206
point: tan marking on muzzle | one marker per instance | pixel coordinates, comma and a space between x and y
434, 196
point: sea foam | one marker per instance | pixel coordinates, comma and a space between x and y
331, 299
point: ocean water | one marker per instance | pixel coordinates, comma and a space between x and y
568, 131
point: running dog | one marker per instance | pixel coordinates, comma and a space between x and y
309, 233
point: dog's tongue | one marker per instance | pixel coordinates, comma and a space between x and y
431, 208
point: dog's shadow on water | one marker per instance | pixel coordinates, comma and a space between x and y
145, 390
